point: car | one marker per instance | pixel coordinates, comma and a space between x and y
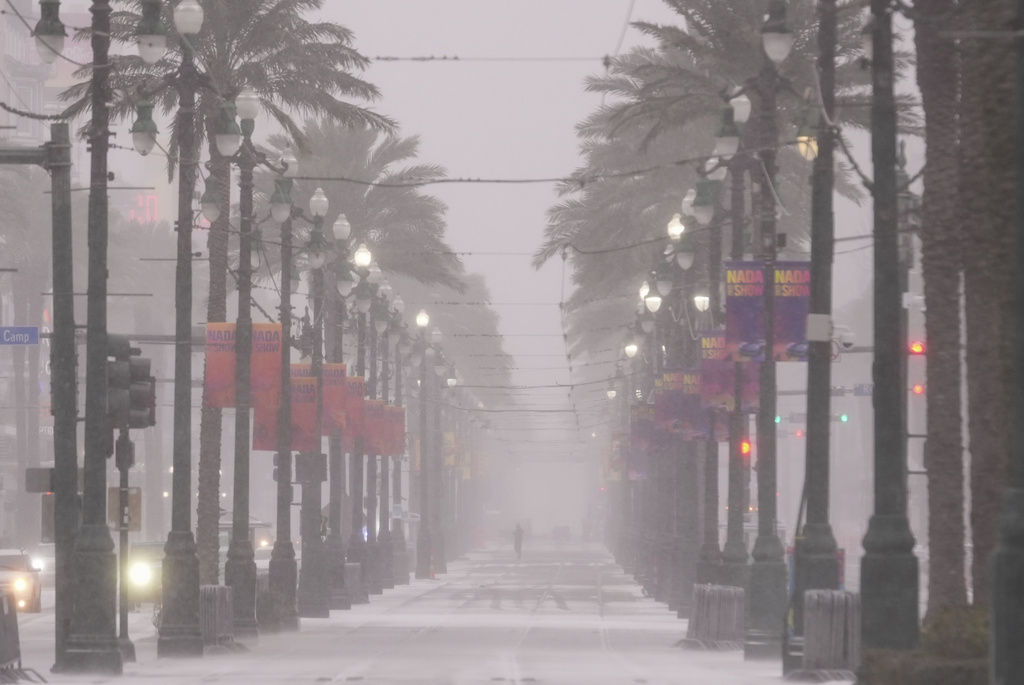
145, 568
18, 577
44, 558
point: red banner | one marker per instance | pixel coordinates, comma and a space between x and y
373, 427
335, 396
305, 436
354, 392
219, 388
265, 371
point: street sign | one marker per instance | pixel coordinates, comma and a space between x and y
19, 335
863, 389
134, 512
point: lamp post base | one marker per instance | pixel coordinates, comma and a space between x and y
424, 551
340, 598
314, 592
766, 600
889, 585
180, 635
240, 576
92, 645
399, 554
386, 554
284, 574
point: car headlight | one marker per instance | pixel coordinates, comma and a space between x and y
20, 585
38, 564
141, 574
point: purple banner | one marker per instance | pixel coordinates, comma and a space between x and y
792, 302
677, 405
718, 376
744, 311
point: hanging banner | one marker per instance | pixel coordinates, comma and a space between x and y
335, 400
355, 390
744, 311
677, 405
264, 428
792, 303
718, 376
265, 367
219, 375
305, 434
373, 426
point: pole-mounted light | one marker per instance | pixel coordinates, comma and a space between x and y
436, 336
705, 200
727, 135
644, 289
362, 257
281, 200
151, 33
423, 319
290, 163
318, 203
210, 201
676, 227
247, 103
775, 34
374, 275
399, 304
188, 17
229, 136
144, 129
741, 107
701, 302
663, 280
807, 134
345, 282
342, 228
363, 301
631, 348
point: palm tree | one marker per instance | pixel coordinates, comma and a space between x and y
942, 264
666, 104
987, 197
371, 179
294, 65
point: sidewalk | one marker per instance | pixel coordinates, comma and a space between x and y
561, 615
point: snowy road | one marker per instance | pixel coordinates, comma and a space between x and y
564, 615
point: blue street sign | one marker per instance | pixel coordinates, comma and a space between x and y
19, 335
864, 389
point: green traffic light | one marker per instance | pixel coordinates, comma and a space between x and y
844, 418
778, 419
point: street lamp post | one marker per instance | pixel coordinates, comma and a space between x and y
240, 568
283, 568
889, 572
385, 553
437, 466
424, 545
313, 593
767, 596
340, 598
372, 565
816, 564
400, 565
92, 643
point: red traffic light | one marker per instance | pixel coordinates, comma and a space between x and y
745, 447
916, 347
918, 389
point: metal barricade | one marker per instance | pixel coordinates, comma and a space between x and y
216, 616
717, 618
831, 633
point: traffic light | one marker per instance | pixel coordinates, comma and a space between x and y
917, 388
745, 449
142, 394
119, 351
916, 347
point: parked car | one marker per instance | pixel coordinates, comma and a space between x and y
44, 559
145, 568
18, 577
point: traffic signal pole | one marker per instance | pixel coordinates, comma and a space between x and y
124, 452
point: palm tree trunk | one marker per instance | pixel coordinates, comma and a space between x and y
208, 500
987, 196
937, 68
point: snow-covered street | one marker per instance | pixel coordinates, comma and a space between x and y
561, 615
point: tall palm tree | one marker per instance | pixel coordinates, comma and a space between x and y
295, 65
942, 264
371, 178
665, 104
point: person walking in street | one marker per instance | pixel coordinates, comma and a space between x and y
517, 541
